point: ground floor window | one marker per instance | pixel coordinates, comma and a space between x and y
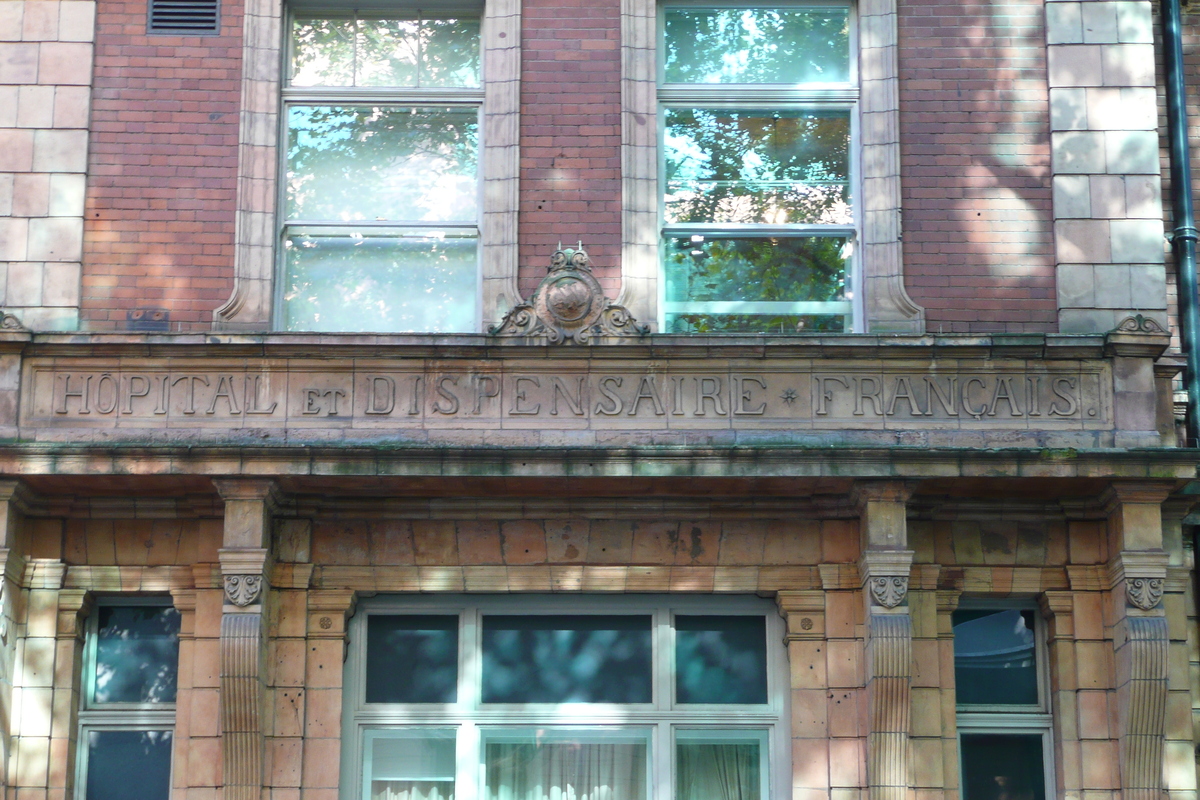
566, 699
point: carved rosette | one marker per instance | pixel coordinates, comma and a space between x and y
242, 590
1144, 593
889, 591
569, 305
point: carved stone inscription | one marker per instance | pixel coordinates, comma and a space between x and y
572, 394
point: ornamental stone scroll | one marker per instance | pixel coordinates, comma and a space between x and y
243, 590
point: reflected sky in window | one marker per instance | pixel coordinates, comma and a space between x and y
720, 659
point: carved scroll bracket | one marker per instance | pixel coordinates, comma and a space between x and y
243, 573
569, 305
1143, 575
885, 575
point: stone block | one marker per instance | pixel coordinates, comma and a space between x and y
40, 23
1072, 196
1107, 196
77, 21
1076, 286
1082, 241
1112, 286
11, 15
1143, 196
18, 61
8, 106
1076, 65
56, 239
31, 194
35, 107
16, 150
1087, 320
1135, 23
1068, 109
61, 284
1131, 152
1122, 109
66, 198
1147, 286
1078, 152
49, 319
1063, 23
6, 193
1127, 64
60, 151
71, 106
23, 286
1099, 22
14, 237
65, 64
1137, 241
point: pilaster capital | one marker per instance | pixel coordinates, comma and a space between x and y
880, 491
1143, 574
884, 575
1140, 492
804, 613
244, 575
248, 489
328, 612
73, 607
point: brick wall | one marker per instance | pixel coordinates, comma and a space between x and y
162, 169
570, 136
975, 162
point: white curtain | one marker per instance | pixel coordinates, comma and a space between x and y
717, 772
412, 790
566, 771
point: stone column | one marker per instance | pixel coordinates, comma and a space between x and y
1137, 572
884, 567
244, 570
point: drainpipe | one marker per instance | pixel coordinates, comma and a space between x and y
1184, 236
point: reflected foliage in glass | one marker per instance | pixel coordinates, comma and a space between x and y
372, 279
137, 654
566, 659
415, 52
1002, 767
771, 167
995, 657
720, 659
412, 659
757, 45
128, 765
772, 269
382, 163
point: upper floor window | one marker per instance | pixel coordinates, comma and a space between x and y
1003, 714
758, 217
380, 199
128, 715
523, 699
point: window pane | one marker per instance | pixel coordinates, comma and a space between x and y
776, 167
412, 659
382, 163
1002, 767
583, 768
566, 659
128, 765
412, 767
720, 659
342, 279
727, 285
757, 45
137, 654
724, 770
994, 657
385, 52
322, 52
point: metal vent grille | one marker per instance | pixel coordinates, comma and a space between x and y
184, 17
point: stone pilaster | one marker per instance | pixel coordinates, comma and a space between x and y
1137, 574
1108, 216
12, 564
884, 568
244, 572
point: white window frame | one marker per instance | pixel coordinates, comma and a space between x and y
95, 716
390, 96
662, 719
1034, 719
840, 97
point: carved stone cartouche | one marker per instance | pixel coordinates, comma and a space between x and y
889, 591
1144, 593
569, 306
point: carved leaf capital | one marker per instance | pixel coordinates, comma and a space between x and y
889, 591
1144, 593
242, 590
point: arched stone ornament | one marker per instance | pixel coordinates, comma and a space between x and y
1144, 593
889, 591
242, 590
569, 306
